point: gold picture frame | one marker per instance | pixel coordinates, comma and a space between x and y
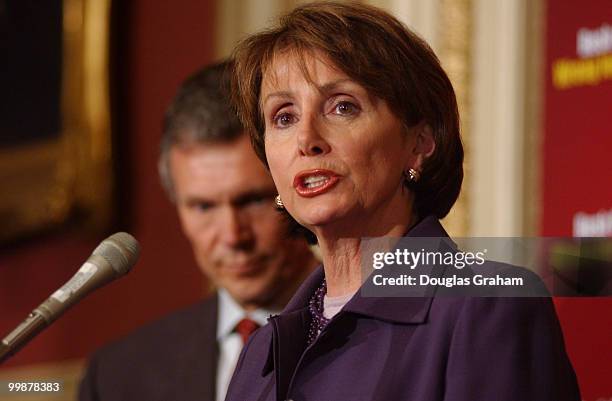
44, 183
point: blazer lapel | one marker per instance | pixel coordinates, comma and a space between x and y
289, 335
288, 344
210, 353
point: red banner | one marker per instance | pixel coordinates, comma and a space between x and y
577, 167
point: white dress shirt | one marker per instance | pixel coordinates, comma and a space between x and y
333, 305
230, 343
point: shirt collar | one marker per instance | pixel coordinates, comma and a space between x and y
230, 313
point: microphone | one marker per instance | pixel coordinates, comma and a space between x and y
113, 258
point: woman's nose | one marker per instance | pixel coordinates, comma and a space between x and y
311, 141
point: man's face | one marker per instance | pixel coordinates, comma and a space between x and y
224, 197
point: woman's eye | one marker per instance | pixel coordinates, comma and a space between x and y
345, 108
283, 120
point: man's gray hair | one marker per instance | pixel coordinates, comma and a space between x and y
199, 113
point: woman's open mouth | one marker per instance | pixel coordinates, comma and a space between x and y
311, 183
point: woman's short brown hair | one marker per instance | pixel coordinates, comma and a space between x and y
377, 51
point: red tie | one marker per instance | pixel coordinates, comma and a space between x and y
245, 328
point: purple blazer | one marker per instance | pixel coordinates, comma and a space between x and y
417, 349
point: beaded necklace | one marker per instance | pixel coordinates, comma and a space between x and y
315, 306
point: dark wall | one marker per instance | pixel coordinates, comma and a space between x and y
156, 45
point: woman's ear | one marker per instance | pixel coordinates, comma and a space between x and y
424, 145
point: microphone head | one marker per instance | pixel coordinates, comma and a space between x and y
121, 251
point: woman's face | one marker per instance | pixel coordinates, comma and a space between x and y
335, 152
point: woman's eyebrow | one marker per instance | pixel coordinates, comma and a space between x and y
325, 88
281, 94
331, 86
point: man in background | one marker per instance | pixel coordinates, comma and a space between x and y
225, 201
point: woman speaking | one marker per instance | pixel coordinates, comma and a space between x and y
359, 127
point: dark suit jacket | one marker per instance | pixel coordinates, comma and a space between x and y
418, 349
172, 359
